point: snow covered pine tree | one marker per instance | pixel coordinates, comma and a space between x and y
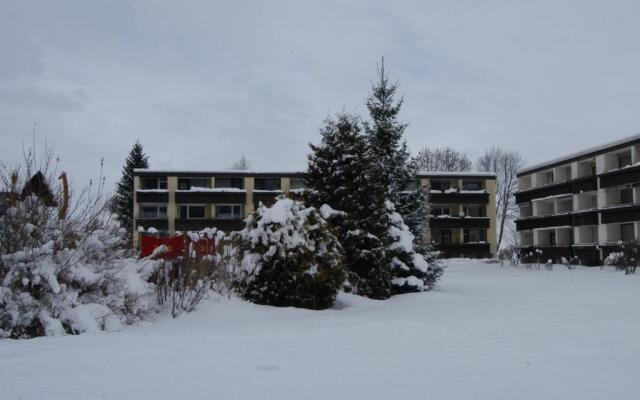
124, 190
340, 175
413, 268
289, 258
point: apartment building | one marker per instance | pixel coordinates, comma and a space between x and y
581, 205
463, 222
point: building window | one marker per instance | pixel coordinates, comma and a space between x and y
267, 183
626, 196
297, 183
437, 211
150, 211
547, 178
627, 233
441, 185
410, 186
153, 183
190, 183
192, 211
475, 211
474, 235
236, 183
229, 211
624, 159
565, 205
472, 185
441, 236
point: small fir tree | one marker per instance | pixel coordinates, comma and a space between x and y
340, 174
289, 257
124, 191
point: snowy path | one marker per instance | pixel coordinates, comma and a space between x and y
486, 333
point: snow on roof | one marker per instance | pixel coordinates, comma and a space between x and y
196, 172
453, 173
583, 153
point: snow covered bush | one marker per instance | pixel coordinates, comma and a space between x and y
626, 258
289, 258
411, 271
63, 268
181, 284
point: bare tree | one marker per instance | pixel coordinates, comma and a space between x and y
241, 164
444, 159
505, 164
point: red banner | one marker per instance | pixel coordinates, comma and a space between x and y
176, 246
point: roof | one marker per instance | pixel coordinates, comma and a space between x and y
590, 152
454, 174
206, 173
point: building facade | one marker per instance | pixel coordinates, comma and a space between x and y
581, 206
462, 222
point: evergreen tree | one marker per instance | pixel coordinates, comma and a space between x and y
385, 134
340, 175
413, 264
124, 191
289, 257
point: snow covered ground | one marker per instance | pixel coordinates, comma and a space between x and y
486, 333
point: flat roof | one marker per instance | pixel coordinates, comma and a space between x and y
624, 142
208, 173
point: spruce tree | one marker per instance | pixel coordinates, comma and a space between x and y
340, 175
413, 264
124, 191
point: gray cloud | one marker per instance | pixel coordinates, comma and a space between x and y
201, 82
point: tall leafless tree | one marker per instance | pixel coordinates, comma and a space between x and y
505, 164
443, 159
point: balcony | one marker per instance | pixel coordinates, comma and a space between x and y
622, 213
226, 225
580, 185
543, 222
218, 195
266, 197
462, 197
620, 177
152, 196
159, 224
459, 222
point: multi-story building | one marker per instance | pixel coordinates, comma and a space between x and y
582, 205
462, 204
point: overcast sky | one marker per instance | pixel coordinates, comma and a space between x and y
201, 82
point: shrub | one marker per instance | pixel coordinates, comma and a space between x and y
289, 257
626, 258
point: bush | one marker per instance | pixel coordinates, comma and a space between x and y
63, 268
626, 258
289, 258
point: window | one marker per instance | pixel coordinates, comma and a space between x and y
410, 186
153, 183
229, 211
627, 233
474, 235
624, 159
472, 185
547, 178
150, 211
437, 211
441, 185
441, 236
267, 184
552, 238
565, 205
189, 183
626, 196
192, 211
475, 211
297, 183
237, 183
